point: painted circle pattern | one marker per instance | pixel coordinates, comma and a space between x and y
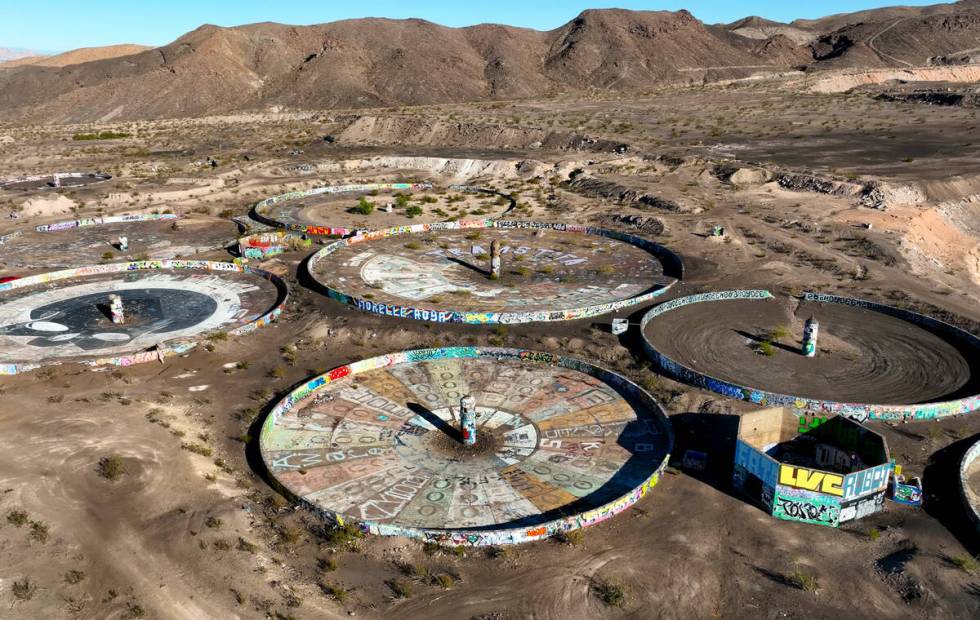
567, 444
147, 283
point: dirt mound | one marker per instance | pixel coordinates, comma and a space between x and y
598, 188
945, 237
760, 28
819, 185
930, 96
843, 82
456, 169
45, 206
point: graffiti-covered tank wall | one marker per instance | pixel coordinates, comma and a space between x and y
825, 471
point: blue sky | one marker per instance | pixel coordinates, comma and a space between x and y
56, 25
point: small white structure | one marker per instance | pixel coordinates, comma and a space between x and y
619, 326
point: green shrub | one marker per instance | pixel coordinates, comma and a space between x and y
609, 593
343, 535
413, 211
24, 589
804, 581
335, 592
364, 206
445, 580
74, 576
197, 448
401, 588
965, 563
39, 531
111, 468
246, 546
102, 135
778, 333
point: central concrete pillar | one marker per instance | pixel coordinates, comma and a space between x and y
116, 309
467, 420
810, 331
495, 259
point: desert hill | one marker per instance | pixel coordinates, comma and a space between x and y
369, 62
383, 62
75, 57
8, 54
886, 14
755, 27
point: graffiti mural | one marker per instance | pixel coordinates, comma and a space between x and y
857, 411
796, 505
866, 481
266, 245
100, 221
809, 421
377, 442
908, 494
761, 466
811, 480
863, 507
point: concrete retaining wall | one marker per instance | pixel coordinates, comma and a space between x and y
971, 501
268, 244
99, 221
260, 210
102, 178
